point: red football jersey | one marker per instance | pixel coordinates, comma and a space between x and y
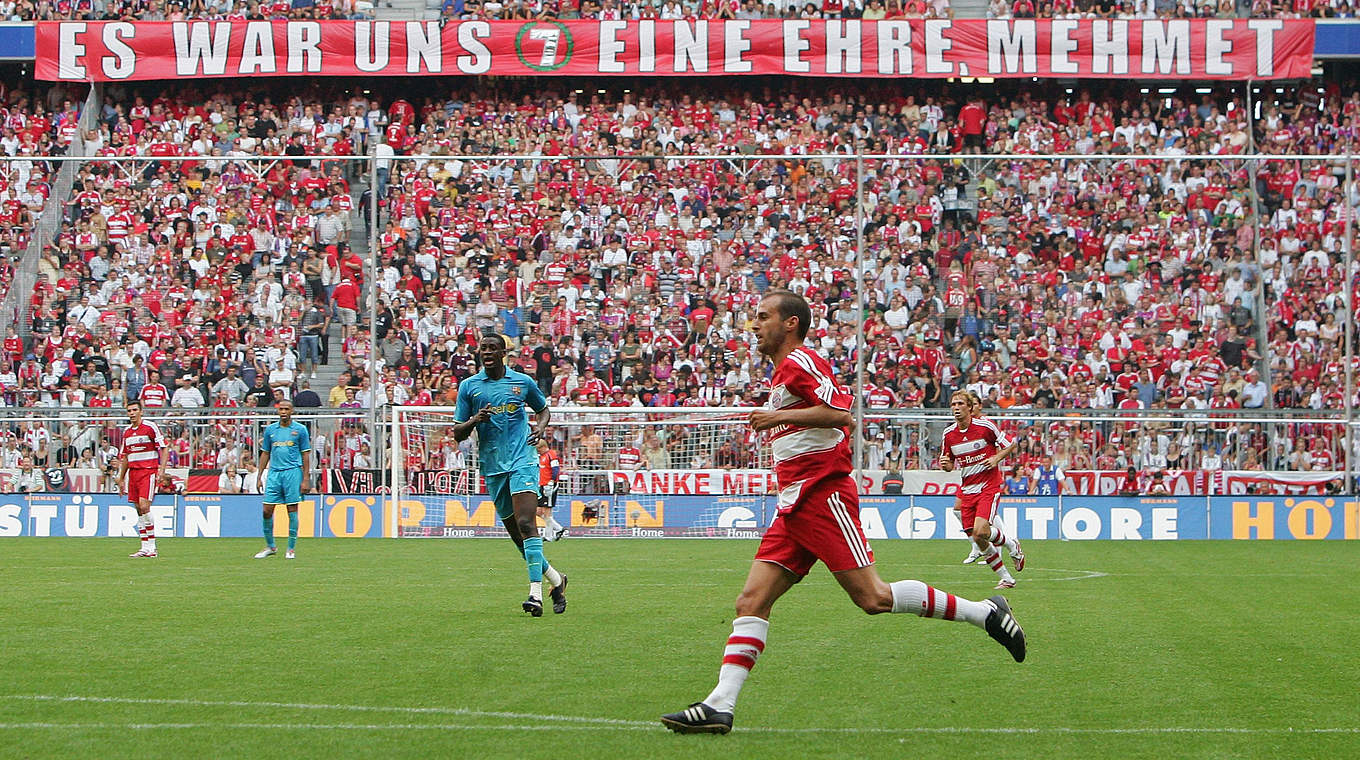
630, 458
971, 448
154, 395
801, 454
142, 446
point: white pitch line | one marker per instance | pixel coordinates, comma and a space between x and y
345, 708
1078, 575
581, 723
919, 730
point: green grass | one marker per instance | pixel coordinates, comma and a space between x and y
336, 654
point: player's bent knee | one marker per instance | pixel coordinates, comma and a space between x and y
753, 603
874, 601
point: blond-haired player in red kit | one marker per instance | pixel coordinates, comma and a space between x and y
141, 460
977, 446
806, 421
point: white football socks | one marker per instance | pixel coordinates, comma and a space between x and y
919, 599
743, 648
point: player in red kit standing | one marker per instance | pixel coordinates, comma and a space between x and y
141, 465
977, 447
805, 421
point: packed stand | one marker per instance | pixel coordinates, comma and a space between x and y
1113, 284
1167, 9
201, 283
183, 10
41, 123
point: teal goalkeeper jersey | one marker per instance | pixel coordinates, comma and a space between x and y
502, 441
285, 445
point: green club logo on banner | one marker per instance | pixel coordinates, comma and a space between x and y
555, 38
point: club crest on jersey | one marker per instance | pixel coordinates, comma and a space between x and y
517, 390
967, 446
778, 397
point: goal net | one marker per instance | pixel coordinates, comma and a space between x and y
624, 472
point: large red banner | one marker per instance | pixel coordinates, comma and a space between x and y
1239, 49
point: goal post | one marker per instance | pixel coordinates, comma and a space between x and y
625, 472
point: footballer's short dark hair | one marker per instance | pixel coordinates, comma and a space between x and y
790, 304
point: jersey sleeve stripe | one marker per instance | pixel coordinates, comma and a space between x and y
826, 389
1002, 440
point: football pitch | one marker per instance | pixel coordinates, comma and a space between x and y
418, 648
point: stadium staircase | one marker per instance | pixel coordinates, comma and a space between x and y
407, 10
327, 374
969, 8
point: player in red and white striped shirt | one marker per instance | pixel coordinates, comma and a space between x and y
806, 422
141, 460
977, 447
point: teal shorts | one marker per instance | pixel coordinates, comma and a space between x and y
283, 486
502, 487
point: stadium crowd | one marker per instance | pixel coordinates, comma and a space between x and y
1115, 283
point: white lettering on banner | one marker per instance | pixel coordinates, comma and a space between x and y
894, 47
1080, 523
40, 518
1166, 44
1061, 45
952, 527
195, 48
124, 62
82, 519
424, 45
1039, 519
257, 53
1012, 47
1124, 524
647, 46
1181, 48
915, 522
203, 520
871, 522
11, 524
1009, 517
735, 45
611, 47
163, 520
1265, 44
936, 46
372, 45
1215, 47
1110, 47
844, 41
795, 46
70, 50
737, 517
691, 47
122, 521
1164, 523
304, 42
470, 36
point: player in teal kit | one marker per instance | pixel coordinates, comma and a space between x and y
495, 403
285, 449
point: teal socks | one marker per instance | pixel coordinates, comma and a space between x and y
533, 557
